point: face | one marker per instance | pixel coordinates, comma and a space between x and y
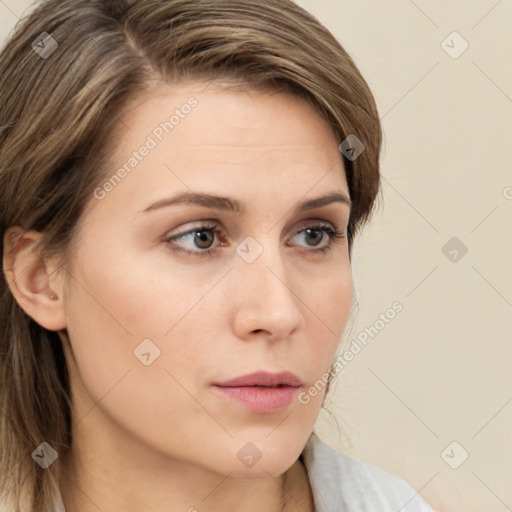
168, 301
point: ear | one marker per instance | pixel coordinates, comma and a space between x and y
35, 283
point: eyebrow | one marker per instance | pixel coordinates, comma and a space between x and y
234, 205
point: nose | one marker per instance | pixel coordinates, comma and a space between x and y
264, 301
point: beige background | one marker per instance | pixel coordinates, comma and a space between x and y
440, 371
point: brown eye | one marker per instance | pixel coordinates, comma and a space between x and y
204, 238
199, 239
315, 234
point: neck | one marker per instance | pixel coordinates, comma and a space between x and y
111, 480
108, 469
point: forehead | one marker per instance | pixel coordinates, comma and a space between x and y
196, 115
194, 137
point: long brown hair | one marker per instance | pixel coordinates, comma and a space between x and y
66, 74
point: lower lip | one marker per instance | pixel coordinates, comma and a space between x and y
260, 399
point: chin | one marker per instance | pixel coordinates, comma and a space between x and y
266, 453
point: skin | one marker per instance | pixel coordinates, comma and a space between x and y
158, 437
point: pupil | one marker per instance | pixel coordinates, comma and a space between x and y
318, 235
202, 237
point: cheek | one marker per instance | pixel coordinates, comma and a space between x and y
131, 296
330, 302
119, 301
325, 326
109, 316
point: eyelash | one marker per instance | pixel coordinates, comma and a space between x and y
335, 236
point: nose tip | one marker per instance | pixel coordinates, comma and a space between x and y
265, 302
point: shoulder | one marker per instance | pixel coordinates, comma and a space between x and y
340, 482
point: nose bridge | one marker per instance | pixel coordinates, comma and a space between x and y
264, 292
265, 267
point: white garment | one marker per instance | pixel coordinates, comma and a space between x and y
344, 484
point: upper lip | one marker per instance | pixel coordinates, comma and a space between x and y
263, 378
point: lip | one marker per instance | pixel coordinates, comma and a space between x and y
263, 378
261, 392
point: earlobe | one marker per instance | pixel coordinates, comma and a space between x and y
32, 280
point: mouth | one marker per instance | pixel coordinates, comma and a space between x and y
261, 392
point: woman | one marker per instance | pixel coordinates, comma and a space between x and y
181, 185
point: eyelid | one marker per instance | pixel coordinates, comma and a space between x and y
330, 230
215, 224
